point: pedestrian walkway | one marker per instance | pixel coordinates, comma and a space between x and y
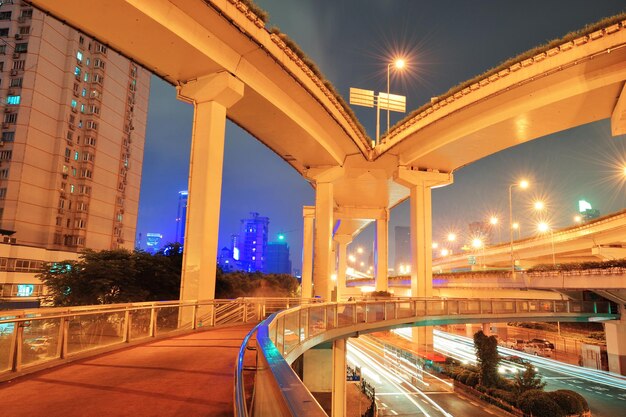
190, 375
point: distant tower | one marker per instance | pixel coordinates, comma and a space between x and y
253, 242
181, 218
277, 258
403, 247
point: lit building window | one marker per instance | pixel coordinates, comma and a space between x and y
79, 56
13, 100
74, 104
76, 70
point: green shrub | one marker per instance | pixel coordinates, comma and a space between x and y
570, 404
539, 404
504, 395
472, 379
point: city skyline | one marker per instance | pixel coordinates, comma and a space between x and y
257, 180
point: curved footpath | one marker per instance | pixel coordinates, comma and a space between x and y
190, 375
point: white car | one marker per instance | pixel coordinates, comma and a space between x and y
537, 349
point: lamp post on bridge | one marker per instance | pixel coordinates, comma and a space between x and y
523, 184
385, 101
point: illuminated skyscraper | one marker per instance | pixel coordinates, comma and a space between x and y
181, 218
71, 145
252, 242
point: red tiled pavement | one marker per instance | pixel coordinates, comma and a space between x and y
189, 375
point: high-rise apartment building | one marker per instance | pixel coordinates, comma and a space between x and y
252, 242
71, 146
181, 218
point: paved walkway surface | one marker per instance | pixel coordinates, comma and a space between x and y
189, 375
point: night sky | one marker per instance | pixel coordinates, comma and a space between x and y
446, 42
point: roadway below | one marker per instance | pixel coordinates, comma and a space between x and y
400, 395
605, 392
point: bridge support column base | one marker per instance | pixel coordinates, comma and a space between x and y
423, 337
317, 373
339, 378
616, 346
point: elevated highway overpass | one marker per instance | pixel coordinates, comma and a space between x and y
597, 240
223, 60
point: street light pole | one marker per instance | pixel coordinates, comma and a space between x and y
388, 71
511, 228
552, 240
522, 184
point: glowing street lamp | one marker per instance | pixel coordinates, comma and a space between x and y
544, 227
435, 245
539, 205
477, 243
451, 237
445, 252
398, 64
578, 219
359, 250
352, 258
523, 184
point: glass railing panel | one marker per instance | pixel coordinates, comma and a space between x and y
280, 334
469, 307
560, 306
420, 308
330, 317
361, 308
291, 331
304, 320
94, 331
272, 331
317, 320
485, 306
168, 319
140, 324
345, 314
453, 307
522, 306
390, 311
588, 307
503, 306
6, 334
375, 312
436, 307
40, 341
406, 309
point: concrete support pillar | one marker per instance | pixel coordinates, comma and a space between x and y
308, 215
615, 332
339, 378
420, 184
322, 261
211, 96
486, 328
342, 254
469, 330
381, 253
317, 368
324, 205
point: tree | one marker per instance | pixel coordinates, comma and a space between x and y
112, 276
527, 380
487, 353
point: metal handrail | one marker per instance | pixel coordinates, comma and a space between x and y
239, 391
66, 341
372, 315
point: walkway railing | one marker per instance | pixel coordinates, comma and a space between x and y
36, 338
286, 335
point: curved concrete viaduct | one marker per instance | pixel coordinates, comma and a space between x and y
227, 64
